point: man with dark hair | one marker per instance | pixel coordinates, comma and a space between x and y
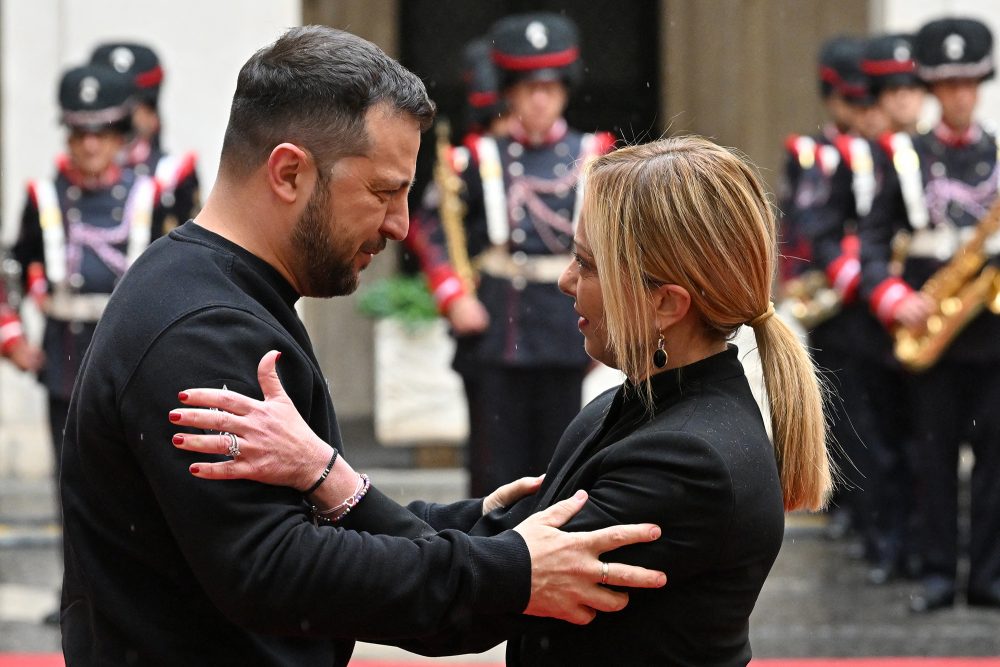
315, 172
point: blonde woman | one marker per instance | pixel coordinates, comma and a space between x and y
675, 251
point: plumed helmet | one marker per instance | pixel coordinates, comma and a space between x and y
954, 48
840, 70
136, 61
483, 102
539, 46
888, 62
95, 98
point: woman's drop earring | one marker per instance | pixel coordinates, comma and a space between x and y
660, 355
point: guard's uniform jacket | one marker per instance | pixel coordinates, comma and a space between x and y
940, 185
75, 244
829, 181
810, 163
522, 202
176, 177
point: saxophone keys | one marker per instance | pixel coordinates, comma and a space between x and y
950, 306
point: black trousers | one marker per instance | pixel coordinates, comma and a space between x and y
843, 373
880, 411
956, 402
516, 417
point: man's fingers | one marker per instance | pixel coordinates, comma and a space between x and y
633, 576
612, 537
267, 375
605, 599
581, 615
562, 511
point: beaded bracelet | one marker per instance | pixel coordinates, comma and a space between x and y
344, 508
322, 478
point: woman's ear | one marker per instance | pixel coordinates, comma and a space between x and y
289, 168
671, 303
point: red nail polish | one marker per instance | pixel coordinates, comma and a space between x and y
178, 439
277, 358
175, 416
182, 396
194, 469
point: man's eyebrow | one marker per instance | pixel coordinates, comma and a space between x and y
392, 185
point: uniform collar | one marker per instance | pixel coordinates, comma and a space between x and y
955, 138
555, 133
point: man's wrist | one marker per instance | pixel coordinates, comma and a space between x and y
326, 473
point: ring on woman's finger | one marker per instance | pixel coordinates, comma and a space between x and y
604, 573
234, 445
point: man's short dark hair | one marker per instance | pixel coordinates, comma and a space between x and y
313, 87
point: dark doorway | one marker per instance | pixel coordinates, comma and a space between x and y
618, 46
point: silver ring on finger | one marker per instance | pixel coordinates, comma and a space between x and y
234, 445
604, 573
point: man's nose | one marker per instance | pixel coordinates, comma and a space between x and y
397, 221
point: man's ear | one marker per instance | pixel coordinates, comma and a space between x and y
290, 170
671, 304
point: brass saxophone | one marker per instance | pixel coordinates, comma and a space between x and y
810, 299
451, 209
960, 290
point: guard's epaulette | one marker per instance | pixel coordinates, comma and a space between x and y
845, 146
458, 157
803, 149
63, 165
885, 141
471, 143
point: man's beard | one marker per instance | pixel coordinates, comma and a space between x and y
325, 273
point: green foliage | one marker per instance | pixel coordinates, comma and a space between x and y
404, 298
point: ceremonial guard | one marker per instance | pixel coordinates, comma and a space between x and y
928, 251
81, 230
493, 269
177, 175
820, 266
874, 397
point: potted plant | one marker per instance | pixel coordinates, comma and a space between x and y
418, 397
